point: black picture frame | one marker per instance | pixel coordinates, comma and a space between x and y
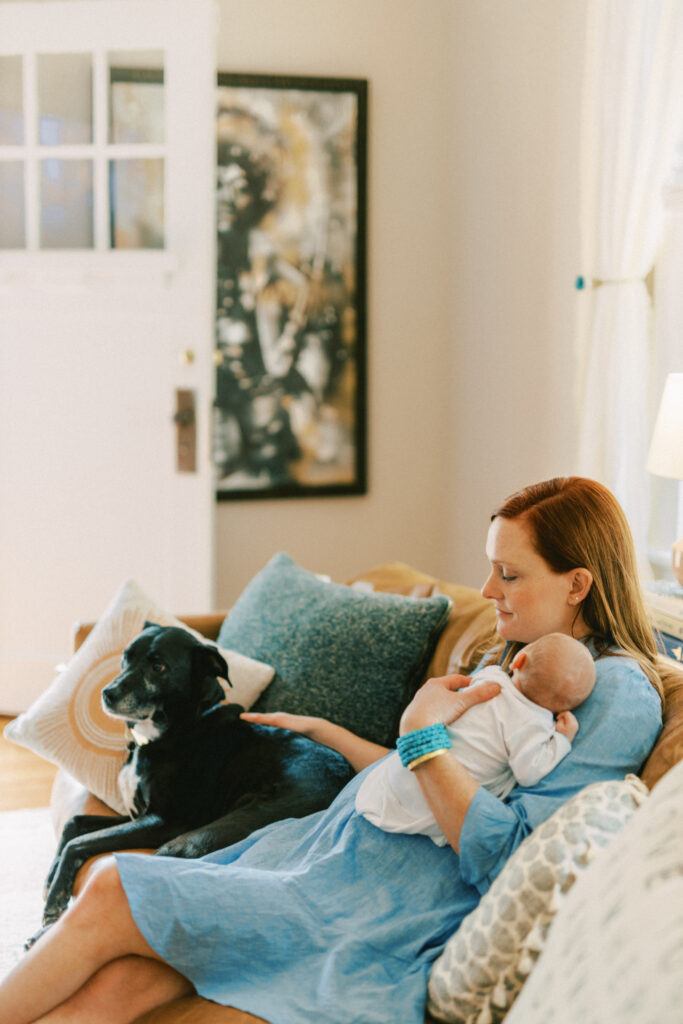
290, 413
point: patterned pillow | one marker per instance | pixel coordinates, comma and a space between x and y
353, 657
615, 953
484, 965
67, 725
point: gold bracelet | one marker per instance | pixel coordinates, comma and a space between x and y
427, 757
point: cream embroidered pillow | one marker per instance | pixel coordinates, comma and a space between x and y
67, 725
484, 965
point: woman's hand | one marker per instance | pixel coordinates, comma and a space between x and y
357, 751
305, 724
441, 700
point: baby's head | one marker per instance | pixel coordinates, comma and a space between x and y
554, 671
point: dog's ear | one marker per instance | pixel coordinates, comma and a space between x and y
150, 625
209, 666
208, 661
212, 693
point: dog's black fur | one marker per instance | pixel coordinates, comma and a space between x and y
202, 778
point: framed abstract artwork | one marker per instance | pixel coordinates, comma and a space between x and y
290, 405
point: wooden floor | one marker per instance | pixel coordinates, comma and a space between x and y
25, 779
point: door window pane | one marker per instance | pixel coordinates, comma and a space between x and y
136, 97
137, 204
11, 102
64, 98
66, 204
12, 227
69, 214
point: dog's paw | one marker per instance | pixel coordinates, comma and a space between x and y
187, 846
47, 885
55, 904
30, 943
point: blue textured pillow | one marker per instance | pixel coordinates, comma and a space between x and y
348, 655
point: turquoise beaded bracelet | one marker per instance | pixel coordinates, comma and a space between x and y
422, 741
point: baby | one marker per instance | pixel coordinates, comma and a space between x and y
516, 737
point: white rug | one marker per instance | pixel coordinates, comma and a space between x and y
27, 845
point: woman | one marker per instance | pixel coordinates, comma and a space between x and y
328, 916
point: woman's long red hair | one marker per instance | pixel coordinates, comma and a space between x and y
578, 523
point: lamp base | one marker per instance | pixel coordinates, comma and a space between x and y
677, 560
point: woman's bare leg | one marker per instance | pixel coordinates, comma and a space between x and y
120, 992
97, 929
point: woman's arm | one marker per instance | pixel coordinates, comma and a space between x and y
448, 788
357, 751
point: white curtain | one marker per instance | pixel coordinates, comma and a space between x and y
632, 116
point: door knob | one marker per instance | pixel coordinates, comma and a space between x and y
184, 417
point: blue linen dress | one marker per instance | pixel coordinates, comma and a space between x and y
327, 917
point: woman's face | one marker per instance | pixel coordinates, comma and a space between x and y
531, 600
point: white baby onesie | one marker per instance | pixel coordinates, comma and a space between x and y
501, 742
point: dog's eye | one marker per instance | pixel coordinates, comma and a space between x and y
158, 666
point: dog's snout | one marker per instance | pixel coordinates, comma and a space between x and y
114, 692
110, 693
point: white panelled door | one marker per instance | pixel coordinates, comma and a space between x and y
107, 268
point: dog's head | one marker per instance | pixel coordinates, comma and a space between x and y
167, 677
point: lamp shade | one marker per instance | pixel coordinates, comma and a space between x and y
666, 448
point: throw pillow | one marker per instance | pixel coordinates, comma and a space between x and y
485, 963
614, 954
355, 658
471, 627
67, 725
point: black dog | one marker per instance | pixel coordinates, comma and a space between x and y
197, 777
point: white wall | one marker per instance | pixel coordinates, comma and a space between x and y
516, 83
472, 255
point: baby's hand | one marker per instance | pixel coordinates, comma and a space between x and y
566, 724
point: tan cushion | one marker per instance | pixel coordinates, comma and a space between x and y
208, 625
668, 749
471, 626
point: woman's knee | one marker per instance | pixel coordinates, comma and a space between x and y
104, 883
103, 909
85, 873
103, 898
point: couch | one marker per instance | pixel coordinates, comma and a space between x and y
469, 630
